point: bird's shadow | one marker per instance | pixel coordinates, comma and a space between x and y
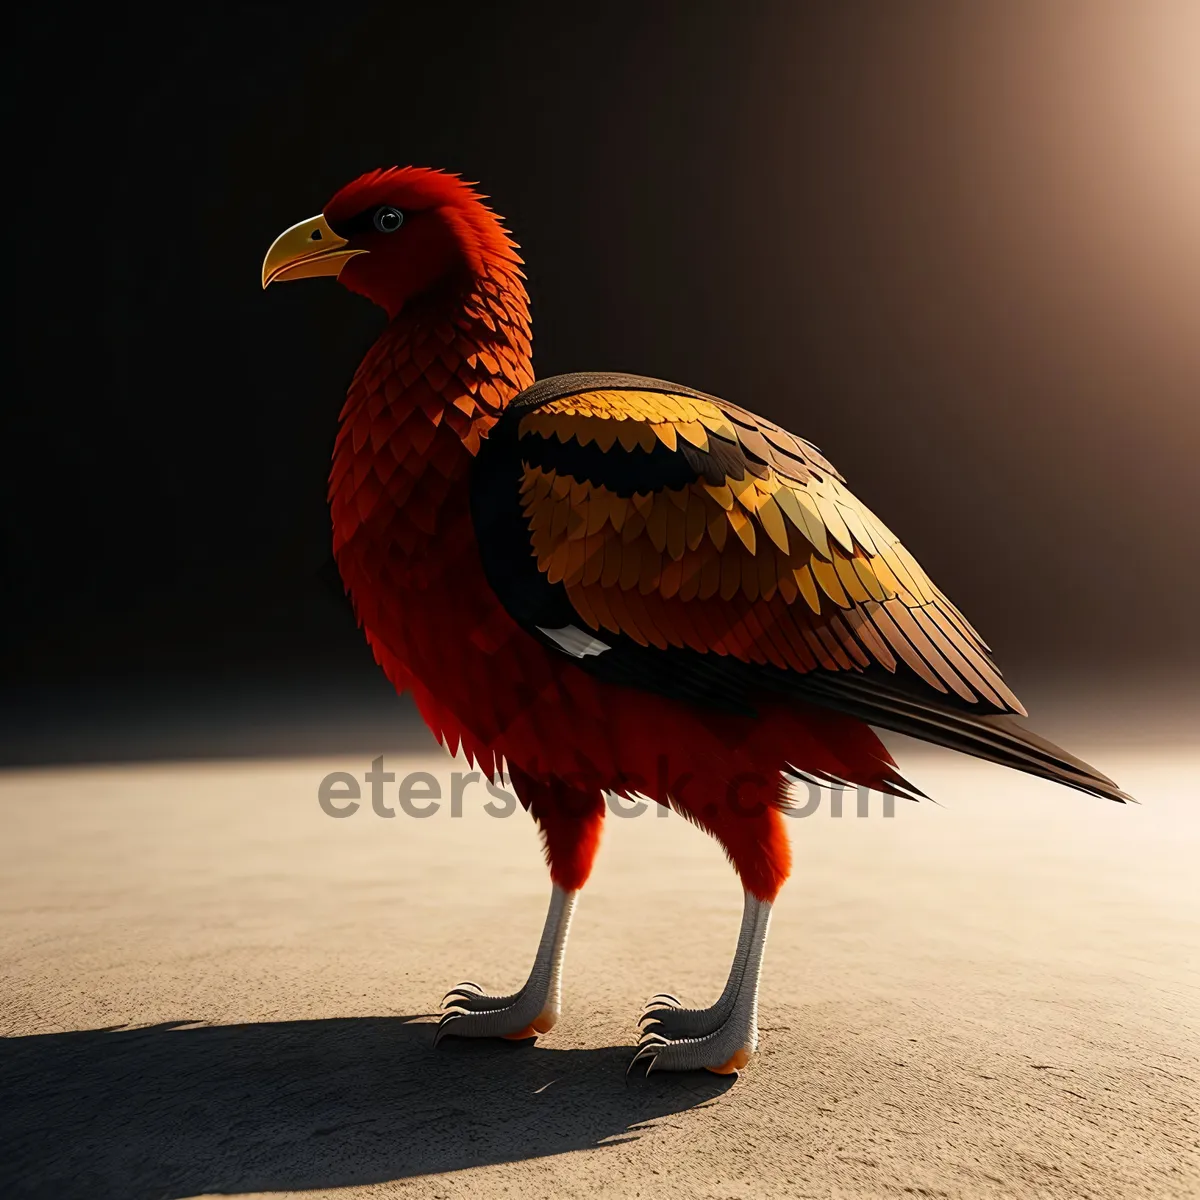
176, 1109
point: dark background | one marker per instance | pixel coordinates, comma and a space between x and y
958, 246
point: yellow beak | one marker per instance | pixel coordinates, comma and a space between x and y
306, 250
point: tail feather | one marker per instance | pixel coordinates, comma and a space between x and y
997, 738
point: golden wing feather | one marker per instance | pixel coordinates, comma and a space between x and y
810, 578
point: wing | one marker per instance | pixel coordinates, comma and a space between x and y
669, 519
668, 540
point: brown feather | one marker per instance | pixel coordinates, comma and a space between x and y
731, 576
899, 643
631, 564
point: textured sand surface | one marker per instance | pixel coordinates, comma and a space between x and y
211, 987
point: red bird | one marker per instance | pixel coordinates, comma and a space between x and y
608, 583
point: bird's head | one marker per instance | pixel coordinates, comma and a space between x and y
394, 235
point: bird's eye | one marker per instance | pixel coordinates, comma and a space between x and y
388, 219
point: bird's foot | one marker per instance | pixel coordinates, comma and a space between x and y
470, 1012
665, 1016
721, 1038
723, 1043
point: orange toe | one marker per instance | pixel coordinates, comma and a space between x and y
733, 1065
530, 1031
541, 1024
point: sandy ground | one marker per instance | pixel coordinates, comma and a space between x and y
211, 987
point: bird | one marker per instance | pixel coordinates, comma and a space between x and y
600, 584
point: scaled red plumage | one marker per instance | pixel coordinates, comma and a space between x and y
618, 584
427, 391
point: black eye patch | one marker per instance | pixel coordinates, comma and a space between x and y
387, 219
379, 218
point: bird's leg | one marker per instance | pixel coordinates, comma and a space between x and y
728, 1047
570, 816
664, 1014
750, 828
535, 1008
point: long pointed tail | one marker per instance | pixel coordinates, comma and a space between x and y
996, 738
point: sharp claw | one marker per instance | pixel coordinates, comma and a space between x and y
652, 1038
457, 994
448, 1019
650, 1051
654, 1014
664, 996
465, 984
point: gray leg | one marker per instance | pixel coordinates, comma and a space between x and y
728, 1047
535, 1008
664, 1015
